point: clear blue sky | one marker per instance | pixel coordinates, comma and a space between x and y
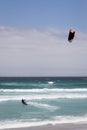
62, 14
33, 38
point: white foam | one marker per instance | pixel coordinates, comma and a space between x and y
39, 94
41, 105
41, 97
50, 82
35, 122
45, 90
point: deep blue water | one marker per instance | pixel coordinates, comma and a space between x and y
50, 100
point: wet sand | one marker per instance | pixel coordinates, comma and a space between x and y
54, 127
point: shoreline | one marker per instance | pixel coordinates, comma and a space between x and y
66, 126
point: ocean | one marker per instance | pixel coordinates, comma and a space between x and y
51, 100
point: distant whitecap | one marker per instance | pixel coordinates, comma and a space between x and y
50, 82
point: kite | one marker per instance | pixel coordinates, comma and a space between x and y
71, 35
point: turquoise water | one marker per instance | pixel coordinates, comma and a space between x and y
50, 100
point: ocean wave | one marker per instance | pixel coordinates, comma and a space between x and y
42, 96
16, 84
53, 121
50, 82
22, 84
45, 90
39, 94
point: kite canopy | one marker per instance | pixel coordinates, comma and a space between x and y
71, 35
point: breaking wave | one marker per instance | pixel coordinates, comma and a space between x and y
35, 122
30, 94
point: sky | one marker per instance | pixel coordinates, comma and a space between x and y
33, 38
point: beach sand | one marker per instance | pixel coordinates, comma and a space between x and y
55, 127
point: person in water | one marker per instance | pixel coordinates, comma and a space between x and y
24, 102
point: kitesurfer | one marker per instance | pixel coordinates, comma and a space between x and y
24, 102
